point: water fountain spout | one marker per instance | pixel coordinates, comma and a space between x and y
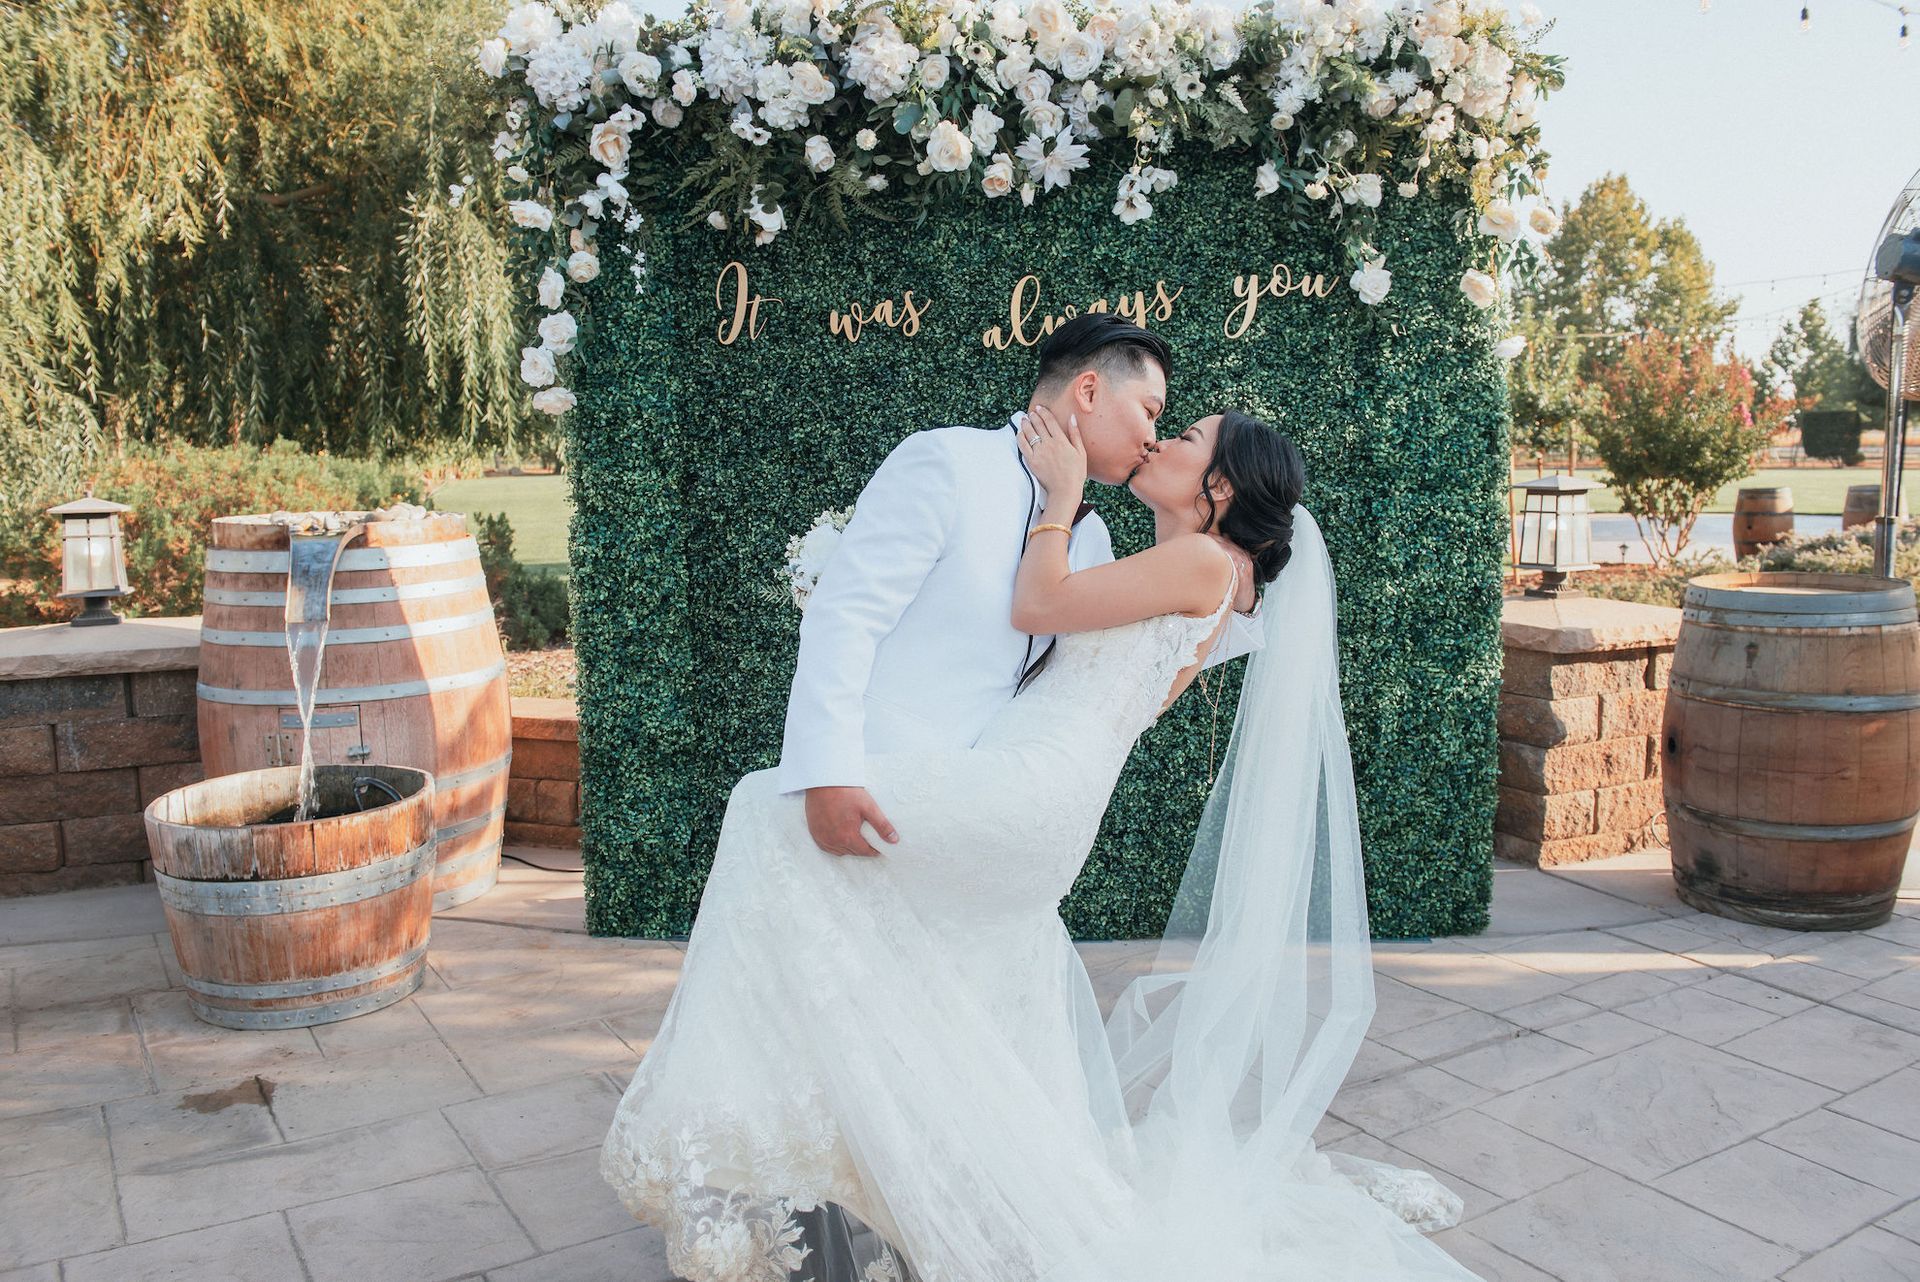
312, 556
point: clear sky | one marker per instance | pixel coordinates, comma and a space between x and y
1781, 149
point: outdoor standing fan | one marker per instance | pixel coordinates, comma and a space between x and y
1889, 335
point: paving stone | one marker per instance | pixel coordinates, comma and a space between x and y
90, 1071
1871, 1255
1700, 1016
1504, 1065
1751, 988
75, 981
1476, 1200
1603, 1033
1450, 1034
256, 1250
1482, 981
320, 1095
1853, 1148
188, 1052
49, 1272
1859, 955
1904, 1222
1804, 979
1488, 1261
1405, 1100
55, 1213
1618, 990
541, 1121
1548, 1011
176, 1128
1398, 1005
508, 1063
637, 1255
1831, 1047
392, 1025
54, 1025
562, 1201
437, 1227
1892, 1014
1892, 1103
1903, 988
1503, 1160
236, 1186
1651, 1109
1778, 1195
44, 1141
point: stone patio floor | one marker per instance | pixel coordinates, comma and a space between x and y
1619, 1087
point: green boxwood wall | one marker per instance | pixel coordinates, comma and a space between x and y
693, 463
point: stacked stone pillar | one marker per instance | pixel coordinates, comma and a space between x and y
1581, 701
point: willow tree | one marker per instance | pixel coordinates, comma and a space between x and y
231, 220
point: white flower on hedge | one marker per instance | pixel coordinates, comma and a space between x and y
528, 26
1402, 83
616, 25
866, 140
998, 179
819, 154
717, 220
1364, 190
530, 213
612, 189
1409, 189
553, 400
1501, 219
1482, 290
1044, 118
1280, 122
1081, 55
934, 70
1315, 191
771, 221
609, 145
1372, 282
1049, 21
1131, 202
1529, 15
583, 265
1266, 180
1034, 88
1543, 220
493, 57
1510, 346
1026, 192
684, 88
558, 73
984, 127
640, 72
1006, 21
1382, 105
880, 61
1188, 85
552, 288
876, 182
536, 366
1154, 180
1440, 128
557, 332
1052, 167
948, 149
518, 173
811, 85
667, 113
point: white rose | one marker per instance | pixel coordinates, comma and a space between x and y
1364, 190
1034, 88
1409, 190
817, 548
553, 400
1315, 191
609, 145
640, 72
819, 154
866, 140
667, 113
717, 220
1080, 56
1048, 20
1006, 21
998, 180
553, 288
1045, 118
1381, 105
1481, 289
530, 25
948, 149
984, 127
1543, 220
684, 89
1501, 219
530, 213
558, 331
933, 71
493, 57
1266, 180
536, 366
1026, 193
1529, 15
1372, 282
876, 182
518, 173
583, 265
812, 85
1510, 346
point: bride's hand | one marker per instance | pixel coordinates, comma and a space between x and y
1054, 453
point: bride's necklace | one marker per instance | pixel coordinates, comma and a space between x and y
1210, 691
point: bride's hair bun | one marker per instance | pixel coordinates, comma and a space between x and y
1268, 476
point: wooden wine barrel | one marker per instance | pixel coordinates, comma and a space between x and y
1762, 514
280, 924
1791, 747
412, 674
1863, 505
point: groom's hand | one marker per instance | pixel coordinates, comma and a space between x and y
834, 816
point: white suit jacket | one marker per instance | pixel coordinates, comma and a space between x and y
907, 640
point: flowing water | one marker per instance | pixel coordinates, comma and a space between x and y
311, 559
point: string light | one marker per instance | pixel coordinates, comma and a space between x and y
1806, 19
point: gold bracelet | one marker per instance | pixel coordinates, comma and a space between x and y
1064, 529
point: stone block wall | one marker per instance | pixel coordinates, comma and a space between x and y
80, 758
1581, 702
543, 793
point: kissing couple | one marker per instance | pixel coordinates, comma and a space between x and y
884, 1059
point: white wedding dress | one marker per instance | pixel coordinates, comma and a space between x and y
915, 1038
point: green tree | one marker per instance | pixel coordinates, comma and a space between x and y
1676, 425
1809, 355
1548, 395
1612, 269
230, 221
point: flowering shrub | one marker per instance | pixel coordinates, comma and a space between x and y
811, 107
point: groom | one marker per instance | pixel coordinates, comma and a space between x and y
907, 641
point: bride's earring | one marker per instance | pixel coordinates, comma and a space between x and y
1073, 419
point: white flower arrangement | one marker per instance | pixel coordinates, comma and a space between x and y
808, 554
1329, 101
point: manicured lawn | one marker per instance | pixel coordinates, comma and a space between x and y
538, 506
1817, 491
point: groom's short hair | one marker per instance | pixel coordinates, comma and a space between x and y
1103, 341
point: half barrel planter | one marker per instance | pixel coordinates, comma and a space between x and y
1790, 747
412, 674
284, 924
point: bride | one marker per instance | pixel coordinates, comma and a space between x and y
913, 1036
